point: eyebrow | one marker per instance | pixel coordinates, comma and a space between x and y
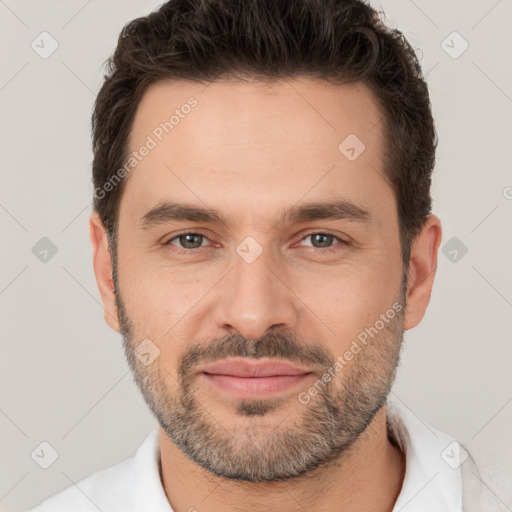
182, 212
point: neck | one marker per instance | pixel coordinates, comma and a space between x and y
369, 476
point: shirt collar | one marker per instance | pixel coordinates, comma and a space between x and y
433, 478
146, 485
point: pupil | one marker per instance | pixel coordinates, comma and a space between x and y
188, 239
323, 239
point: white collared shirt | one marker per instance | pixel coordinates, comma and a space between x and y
440, 477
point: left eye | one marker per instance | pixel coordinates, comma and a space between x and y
189, 240
321, 240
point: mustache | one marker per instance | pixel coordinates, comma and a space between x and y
272, 345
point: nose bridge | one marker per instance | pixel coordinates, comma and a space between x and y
253, 298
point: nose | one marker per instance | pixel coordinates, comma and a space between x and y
254, 298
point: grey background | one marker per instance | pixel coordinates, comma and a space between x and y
63, 375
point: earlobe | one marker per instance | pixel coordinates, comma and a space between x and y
422, 270
102, 264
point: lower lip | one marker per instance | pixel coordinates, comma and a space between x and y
255, 387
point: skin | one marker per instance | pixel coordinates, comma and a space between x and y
250, 150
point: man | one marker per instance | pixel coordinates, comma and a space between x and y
262, 238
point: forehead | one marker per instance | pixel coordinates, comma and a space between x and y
256, 143
312, 111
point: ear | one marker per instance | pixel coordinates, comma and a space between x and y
422, 270
102, 264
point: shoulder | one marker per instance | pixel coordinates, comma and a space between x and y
487, 480
103, 490
464, 477
129, 485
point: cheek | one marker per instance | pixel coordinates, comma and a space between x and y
165, 304
158, 301
351, 300
153, 289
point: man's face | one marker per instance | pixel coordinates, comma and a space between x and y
270, 280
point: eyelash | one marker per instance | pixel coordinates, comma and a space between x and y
170, 247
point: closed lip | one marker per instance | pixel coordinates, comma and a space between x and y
243, 367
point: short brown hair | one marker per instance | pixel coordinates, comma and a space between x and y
335, 40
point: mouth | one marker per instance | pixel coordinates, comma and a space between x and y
254, 378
